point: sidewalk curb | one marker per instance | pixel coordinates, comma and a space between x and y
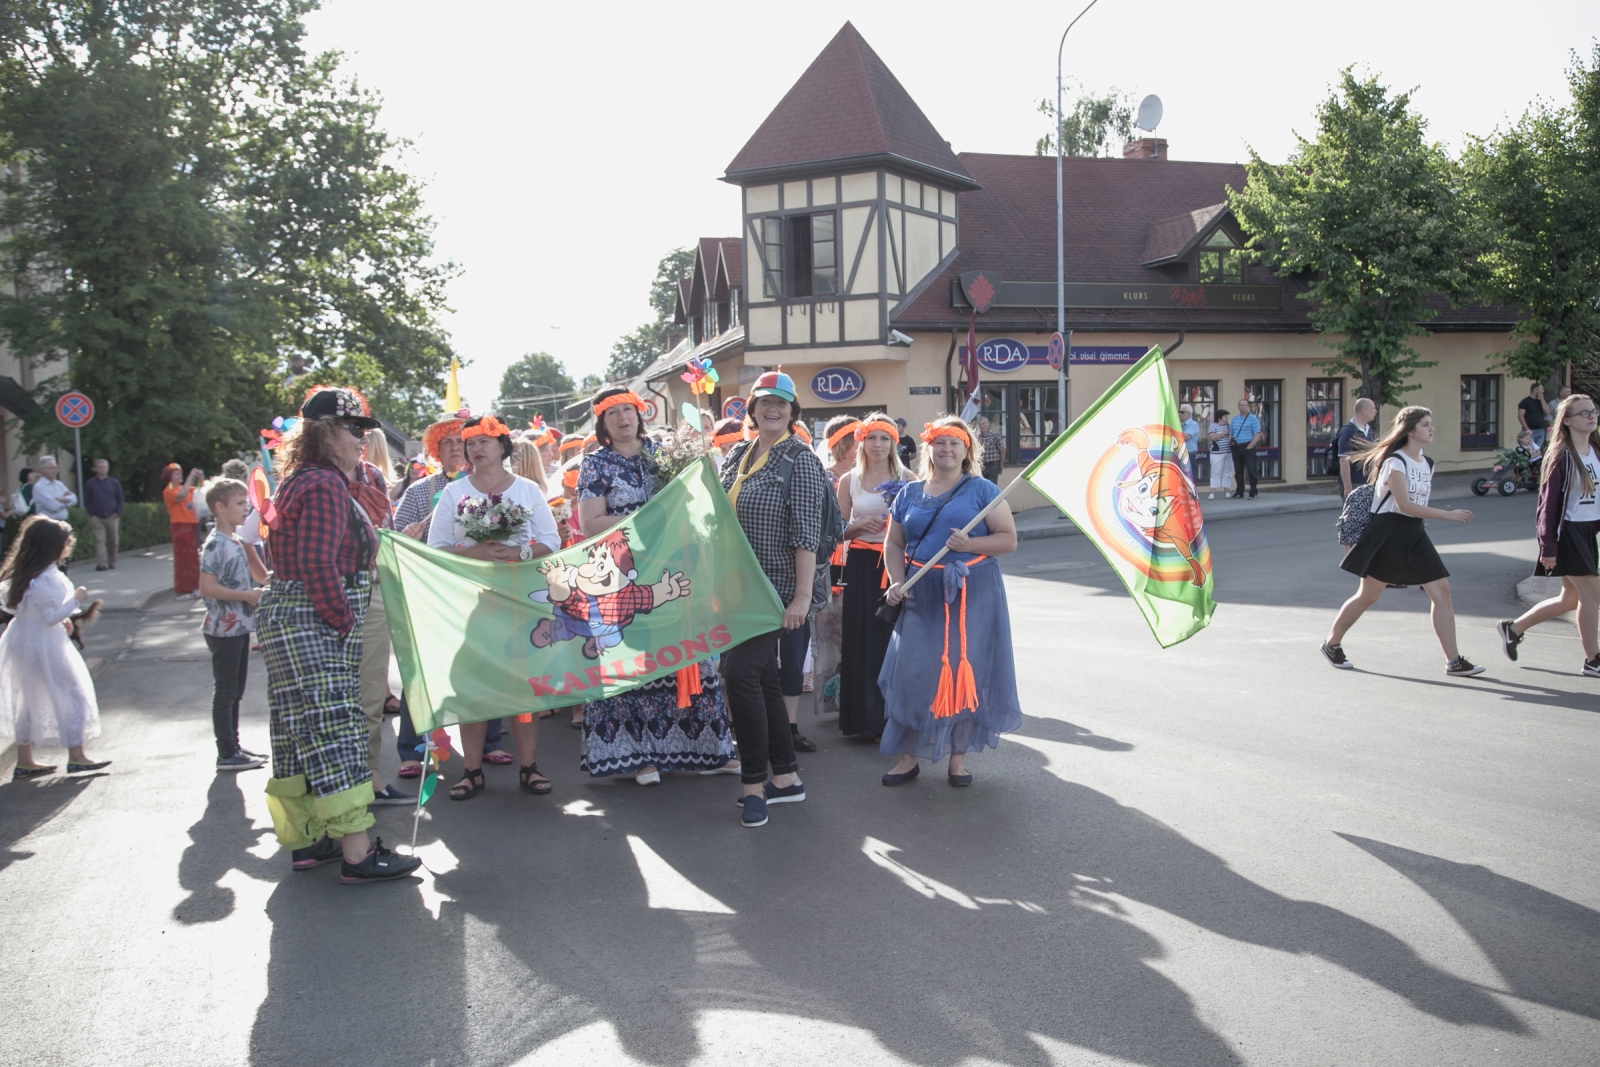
154, 596
1535, 589
1066, 527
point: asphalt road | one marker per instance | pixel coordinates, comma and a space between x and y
1222, 853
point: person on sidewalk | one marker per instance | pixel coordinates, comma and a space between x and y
1566, 524
1191, 438
993, 447
102, 499
1395, 549
1351, 470
1245, 434
183, 522
1533, 415
309, 622
1221, 438
46, 694
51, 497
231, 595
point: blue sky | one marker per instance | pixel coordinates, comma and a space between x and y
567, 148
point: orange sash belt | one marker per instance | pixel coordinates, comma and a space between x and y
874, 546
960, 693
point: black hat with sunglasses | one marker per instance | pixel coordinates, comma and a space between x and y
337, 404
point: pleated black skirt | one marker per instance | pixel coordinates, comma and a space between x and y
864, 639
1395, 548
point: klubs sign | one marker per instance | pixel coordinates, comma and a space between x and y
835, 385
1002, 354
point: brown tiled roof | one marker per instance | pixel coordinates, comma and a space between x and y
847, 106
1112, 208
1169, 239
730, 270
680, 314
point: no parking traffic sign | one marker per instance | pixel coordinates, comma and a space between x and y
74, 410
1057, 352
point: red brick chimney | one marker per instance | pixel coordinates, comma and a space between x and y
1145, 148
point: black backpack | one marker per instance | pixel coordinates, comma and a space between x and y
832, 534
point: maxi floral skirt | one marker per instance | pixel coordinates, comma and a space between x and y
644, 727
923, 634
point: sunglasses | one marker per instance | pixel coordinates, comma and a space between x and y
355, 430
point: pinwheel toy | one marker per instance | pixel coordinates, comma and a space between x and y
701, 375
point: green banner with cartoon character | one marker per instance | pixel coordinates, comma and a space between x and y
672, 584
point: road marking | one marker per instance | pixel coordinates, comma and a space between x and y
668, 889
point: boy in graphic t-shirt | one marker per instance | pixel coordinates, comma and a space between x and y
229, 585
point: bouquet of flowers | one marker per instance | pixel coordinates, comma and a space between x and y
889, 490
491, 518
676, 451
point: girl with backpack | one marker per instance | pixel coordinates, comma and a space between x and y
1566, 523
1394, 548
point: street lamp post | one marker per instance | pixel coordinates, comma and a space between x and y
1061, 244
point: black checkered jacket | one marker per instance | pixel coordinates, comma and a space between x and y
776, 526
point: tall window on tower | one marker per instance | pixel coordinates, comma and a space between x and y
800, 256
1220, 261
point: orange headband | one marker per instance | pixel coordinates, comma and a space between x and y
838, 435
489, 426
570, 443
544, 439
882, 425
728, 438
800, 432
930, 431
570, 478
630, 397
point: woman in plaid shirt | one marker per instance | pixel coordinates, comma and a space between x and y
309, 625
784, 527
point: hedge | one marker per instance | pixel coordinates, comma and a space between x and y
142, 525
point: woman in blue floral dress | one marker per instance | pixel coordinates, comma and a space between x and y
642, 732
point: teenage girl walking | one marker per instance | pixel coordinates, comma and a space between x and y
46, 694
1566, 523
1394, 549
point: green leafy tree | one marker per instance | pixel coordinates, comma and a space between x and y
1097, 125
1370, 214
1537, 188
537, 375
637, 350
204, 221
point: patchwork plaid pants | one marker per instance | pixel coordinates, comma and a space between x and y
314, 689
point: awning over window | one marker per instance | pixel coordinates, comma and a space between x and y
14, 398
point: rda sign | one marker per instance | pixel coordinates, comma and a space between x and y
1002, 354
835, 385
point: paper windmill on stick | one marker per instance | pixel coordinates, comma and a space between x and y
701, 376
435, 750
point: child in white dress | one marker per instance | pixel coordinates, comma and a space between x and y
46, 694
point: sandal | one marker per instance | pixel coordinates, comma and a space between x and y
410, 769
471, 785
498, 758
533, 781
391, 705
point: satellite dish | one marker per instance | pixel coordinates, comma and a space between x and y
1149, 113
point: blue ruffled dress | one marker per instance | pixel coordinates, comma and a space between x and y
911, 669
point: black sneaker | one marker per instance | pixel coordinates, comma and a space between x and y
1509, 638
1461, 667
1335, 655
240, 761
380, 865
1591, 667
325, 850
391, 795
802, 743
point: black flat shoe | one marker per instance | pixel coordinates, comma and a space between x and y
960, 779
802, 743
79, 768
31, 772
901, 779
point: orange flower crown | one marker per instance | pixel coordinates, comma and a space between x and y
488, 426
630, 397
847, 430
435, 434
930, 431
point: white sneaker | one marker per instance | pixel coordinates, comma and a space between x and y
650, 778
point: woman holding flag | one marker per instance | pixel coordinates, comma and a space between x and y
877, 474
948, 679
675, 723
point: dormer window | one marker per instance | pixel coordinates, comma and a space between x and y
1219, 260
799, 256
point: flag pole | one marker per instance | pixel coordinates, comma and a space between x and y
945, 549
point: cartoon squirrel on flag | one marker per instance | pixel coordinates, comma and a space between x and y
1161, 501
597, 599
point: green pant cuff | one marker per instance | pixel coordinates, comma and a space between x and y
345, 812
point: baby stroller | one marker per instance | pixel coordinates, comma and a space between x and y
1516, 470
